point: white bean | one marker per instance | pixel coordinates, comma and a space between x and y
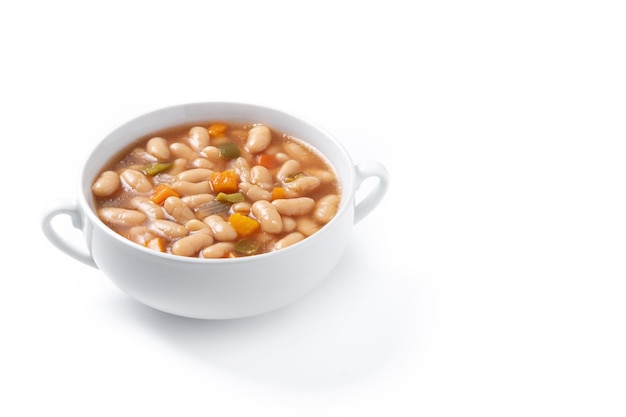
140, 155
212, 153
186, 188
169, 229
182, 150
136, 180
121, 216
273, 149
141, 235
306, 226
218, 250
259, 138
242, 168
222, 230
194, 175
262, 177
196, 200
300, 152
268, 216
254, 192
326, 177
191, 245
157, 147
281, 157
199, 137
147, 207
289, 240
196, 225
202, 162
294, 206
180, 164
107, 183
301, 186
289, 224
290, 167
326, 208
178, 209
242, 208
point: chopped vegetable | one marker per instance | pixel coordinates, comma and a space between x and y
244, 225
224, 182
158, 244
278, 192
267, 160
293, 177
162, 192
157, 168
217, 129
210, 208
247, 247
229, 150
230, 198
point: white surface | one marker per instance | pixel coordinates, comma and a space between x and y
491, 281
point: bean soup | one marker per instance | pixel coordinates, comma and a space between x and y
217, 190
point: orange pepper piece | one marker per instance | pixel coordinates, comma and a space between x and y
217, 129
267, 160
277, 193
161, 192
224, 182
158, 244
244, 225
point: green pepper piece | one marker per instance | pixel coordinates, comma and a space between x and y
293, 177
230, 198
157, 168
247, 247
229, 150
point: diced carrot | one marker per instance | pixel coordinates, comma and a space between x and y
217, 129
224, 182
244, 225
267, 160
162, 192
278, 192
158, 243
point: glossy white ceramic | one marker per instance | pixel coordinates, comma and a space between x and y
216, 288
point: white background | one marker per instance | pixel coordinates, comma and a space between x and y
490, 281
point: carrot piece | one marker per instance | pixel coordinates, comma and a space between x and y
161, 192
244, 225
267, 160
217, 129
224, 182
278, 192
158, 243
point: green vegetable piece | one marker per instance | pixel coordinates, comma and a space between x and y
229, 150
230, 198
293, 177
247, 247
157, 168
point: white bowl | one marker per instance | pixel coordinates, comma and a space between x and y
216, 288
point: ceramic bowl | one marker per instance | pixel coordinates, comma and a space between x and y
216, 288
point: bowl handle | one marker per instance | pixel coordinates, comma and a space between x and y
364, 171
71, 209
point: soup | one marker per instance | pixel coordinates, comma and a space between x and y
217, 190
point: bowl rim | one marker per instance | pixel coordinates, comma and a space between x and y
347, 195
